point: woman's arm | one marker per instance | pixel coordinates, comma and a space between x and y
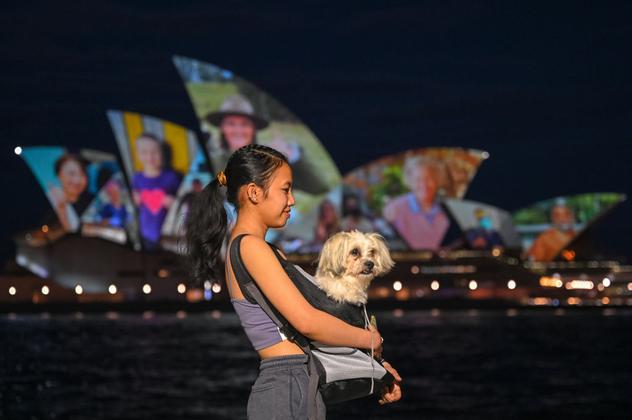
317, 325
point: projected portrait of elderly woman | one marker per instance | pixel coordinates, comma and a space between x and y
418, 216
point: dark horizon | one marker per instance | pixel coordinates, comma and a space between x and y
543, 88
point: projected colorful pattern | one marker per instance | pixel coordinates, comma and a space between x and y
406, 191
86, 192
547, 227
234, 112
483, 226
165, 167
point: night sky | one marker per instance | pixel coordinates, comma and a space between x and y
545, 88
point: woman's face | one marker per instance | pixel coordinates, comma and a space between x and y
73, 179
275, 208
423, 182
149, 154
238, 131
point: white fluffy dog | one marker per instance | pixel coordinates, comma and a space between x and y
348, 262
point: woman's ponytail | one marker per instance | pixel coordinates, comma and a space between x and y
206, 226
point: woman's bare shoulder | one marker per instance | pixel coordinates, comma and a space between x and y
253, 247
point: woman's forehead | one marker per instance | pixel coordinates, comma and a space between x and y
236, 119
283, 174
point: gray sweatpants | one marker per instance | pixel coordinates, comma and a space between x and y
280, 391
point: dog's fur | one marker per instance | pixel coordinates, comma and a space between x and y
348, 262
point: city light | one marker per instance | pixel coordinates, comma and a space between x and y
78, 289
473, 285
45, 290
580, 284
12, 291
496, 251
17, 150
573, 301
182, 288
511, 284
112, 289
606, 282
541, 301
146, 289
163, 273
605, 300
397, 286
554, 281
45, 228
630, 287
434, 285
216, 288
207, 285
414, 269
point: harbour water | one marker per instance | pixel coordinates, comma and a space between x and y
469, 364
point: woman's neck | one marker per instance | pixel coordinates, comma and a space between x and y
250, 225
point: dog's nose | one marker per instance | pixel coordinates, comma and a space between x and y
369, 265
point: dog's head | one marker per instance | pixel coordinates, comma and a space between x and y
356, 254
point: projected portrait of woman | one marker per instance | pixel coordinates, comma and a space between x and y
418, 216
71, 198
238, 124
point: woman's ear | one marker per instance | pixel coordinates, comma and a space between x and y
253, 193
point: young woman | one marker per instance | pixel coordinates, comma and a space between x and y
258, 181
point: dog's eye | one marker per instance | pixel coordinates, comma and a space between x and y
372, 253
355, 252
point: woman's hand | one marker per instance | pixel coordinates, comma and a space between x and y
57, 197
393, 392
376, 342
167, 201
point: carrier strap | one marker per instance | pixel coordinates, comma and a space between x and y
253, 294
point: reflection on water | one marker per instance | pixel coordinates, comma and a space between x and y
455, 364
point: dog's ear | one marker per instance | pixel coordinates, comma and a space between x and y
383, 258
333, 256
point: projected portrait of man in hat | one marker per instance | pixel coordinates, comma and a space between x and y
238, 125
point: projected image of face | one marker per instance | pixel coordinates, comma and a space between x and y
417, 216
423, 182
562, 217
149, 154
153, 188
71, 199
238, 131
551, 242
73, 178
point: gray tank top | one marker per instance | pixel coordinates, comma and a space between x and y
260, 329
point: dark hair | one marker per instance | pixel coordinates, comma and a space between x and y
206, 222
68, 157
149, 136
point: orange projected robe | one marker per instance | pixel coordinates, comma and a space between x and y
549, 244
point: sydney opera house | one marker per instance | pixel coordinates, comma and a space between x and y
116, 222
